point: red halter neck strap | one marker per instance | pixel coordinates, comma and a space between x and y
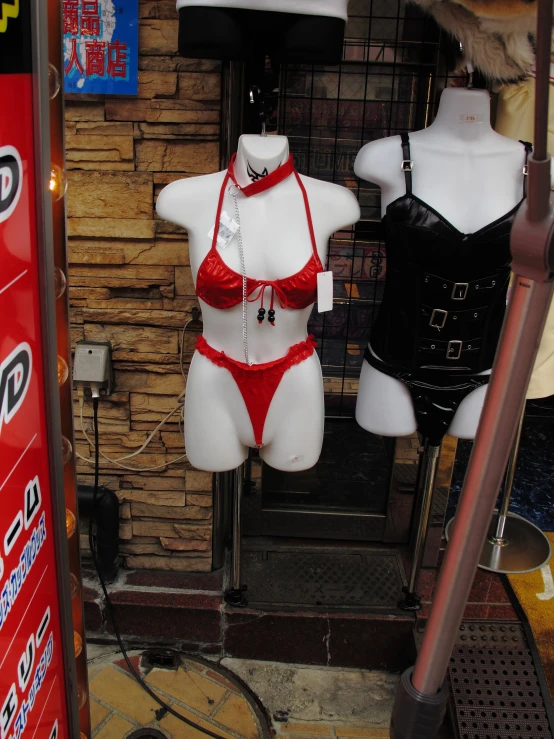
265, 183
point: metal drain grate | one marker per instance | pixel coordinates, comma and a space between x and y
495, 687
311, 578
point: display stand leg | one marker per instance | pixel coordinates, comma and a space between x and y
234, 596
513, 545
430, 466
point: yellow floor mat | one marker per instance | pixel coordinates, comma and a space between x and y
535, 592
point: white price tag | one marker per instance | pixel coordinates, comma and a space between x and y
324, 291
227, 229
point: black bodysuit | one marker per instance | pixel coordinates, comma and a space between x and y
443, 306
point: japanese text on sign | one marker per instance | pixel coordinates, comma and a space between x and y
101, 46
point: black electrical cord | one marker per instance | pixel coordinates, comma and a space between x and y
111, 612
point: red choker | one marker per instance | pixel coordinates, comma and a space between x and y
265, 183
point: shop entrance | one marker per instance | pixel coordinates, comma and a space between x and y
363, 487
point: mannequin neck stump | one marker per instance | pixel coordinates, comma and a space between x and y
464, 114
258, 156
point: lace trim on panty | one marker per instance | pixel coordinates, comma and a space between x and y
295, 355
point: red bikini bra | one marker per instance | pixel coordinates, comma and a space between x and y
221, 287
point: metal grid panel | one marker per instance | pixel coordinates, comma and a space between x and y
310, 577
495, 687
384, 86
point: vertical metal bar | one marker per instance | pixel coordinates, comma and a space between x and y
429, 469
232, 109
237, 535
509, 483
234, 596
232, 118
431, 457
41, 114
218, 535
542, 62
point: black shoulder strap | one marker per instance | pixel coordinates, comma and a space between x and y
528, 150
407, 162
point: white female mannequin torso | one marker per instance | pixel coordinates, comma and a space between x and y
472, 176
276, 245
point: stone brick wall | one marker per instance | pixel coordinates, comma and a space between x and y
130, 284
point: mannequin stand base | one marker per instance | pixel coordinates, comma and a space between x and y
235, 597
415, 715
411, 602
523, 547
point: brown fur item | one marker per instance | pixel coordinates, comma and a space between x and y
495, 34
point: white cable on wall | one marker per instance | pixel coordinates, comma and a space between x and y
179, 406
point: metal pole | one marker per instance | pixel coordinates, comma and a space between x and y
234, 596
218, 536
514, 545
239, 479
430, 467
508, 486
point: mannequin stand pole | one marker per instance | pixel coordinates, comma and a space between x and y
234, 596
513, 545
429, 470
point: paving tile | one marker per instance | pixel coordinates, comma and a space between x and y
480, 587
194, 617
97, 714
372, 642
307, 729
116, 728
237, 715
277, 637
179, 730
426, 585
501, 612
125, 694
497, 593
222, 681
211, 581
135, 661
93, 615
189, 687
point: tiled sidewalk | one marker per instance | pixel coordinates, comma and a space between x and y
300, 702
119, 705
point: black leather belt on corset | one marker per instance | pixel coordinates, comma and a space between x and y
437, 318
460, 290
432, 351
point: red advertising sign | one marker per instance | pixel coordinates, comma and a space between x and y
32, 678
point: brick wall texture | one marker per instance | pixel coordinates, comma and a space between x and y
130, 284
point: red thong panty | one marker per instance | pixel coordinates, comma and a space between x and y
258, 382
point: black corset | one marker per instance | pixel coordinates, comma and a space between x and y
445, 291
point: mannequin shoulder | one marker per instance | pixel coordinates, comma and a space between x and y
376, 162
178, 202
336, 198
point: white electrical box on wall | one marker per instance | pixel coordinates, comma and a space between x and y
92, 366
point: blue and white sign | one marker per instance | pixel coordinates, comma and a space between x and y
101, 46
